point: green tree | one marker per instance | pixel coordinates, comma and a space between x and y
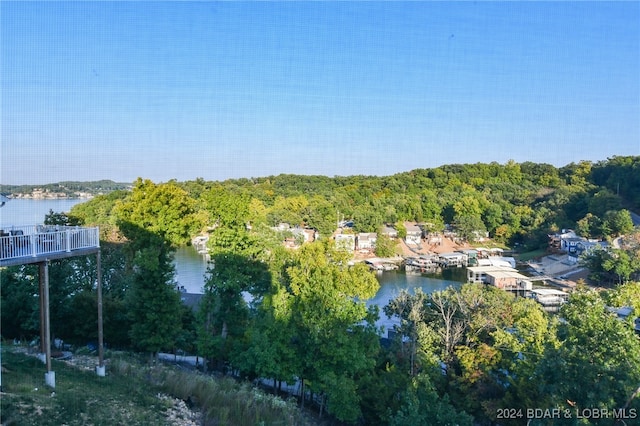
589, 226
320, 215
100, 211
240, 260
421, 405
154, 219
385, 246
627, 294
153, 299
604, 201
597, 363
165, 210
402, 230
334, 335
469, 227
224, 313
19, 309
415, 349
620, 263
617, 223
53, 218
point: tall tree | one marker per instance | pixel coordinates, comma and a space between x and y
617, 222
334, 333
239, 267
154, 219
597, 363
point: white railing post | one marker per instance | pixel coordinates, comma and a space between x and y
35, 241
33, 238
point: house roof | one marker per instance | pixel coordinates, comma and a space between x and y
367, 235
191, 300
452, 255
490, 268
507, 274
549, 292
412, 227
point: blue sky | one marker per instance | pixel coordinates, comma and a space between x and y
179, 90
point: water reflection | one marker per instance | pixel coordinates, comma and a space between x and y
392, 283
191, 268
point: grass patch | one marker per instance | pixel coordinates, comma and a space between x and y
222, 400
80, 397
525, 257
132, 393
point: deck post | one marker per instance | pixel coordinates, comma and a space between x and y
100, 370
50, 376
41, 273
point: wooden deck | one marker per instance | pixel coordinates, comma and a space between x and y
22, 245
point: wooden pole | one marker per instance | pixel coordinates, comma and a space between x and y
100, 329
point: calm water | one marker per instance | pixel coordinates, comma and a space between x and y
190, 269
191, 266
392, 283
20, 212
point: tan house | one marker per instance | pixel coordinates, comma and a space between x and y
503, 278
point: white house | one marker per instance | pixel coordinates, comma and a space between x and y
345, 241
457, 259
585, 247
414, 234
550, 299
389, 232
366, 240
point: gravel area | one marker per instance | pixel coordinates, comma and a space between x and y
179, 414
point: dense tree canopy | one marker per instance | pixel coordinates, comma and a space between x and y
299, 316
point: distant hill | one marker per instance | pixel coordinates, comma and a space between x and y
67, 189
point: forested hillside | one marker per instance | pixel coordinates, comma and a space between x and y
65, 189
471, 356
514, 203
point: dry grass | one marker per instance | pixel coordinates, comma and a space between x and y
134, 392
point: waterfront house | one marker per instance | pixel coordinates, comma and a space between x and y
472, 256
414, 234
507, 262
585, 247
506, 279
345, 241
389, 231
503, 277
550, 299
563, 241
450, 260
366, 240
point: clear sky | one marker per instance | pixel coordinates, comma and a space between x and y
179, 90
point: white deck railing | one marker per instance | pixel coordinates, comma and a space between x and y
39, 240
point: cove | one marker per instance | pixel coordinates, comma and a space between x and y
191, 268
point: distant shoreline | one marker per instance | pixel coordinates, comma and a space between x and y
50, 196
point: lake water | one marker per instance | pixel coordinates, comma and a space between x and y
26, 211
191, 266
